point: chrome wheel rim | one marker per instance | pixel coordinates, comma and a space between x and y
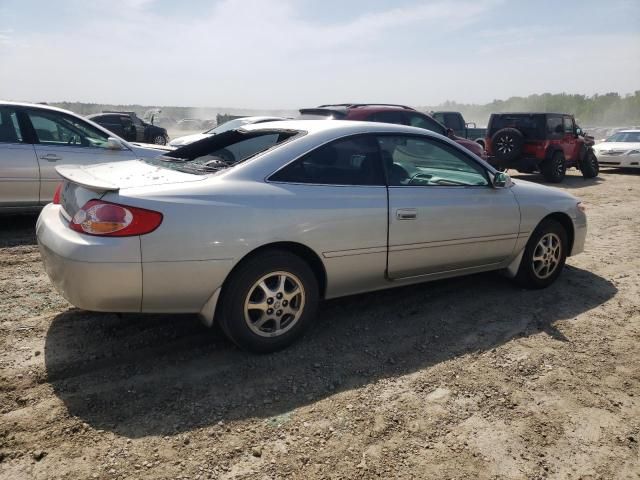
505, 144
546, 255
159, 140
274, 304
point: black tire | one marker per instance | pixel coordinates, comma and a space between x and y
554, 168
243, 285
589, 165
527, 276
507, 144
159, 140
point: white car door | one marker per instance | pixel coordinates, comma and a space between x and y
64, 139
19, 174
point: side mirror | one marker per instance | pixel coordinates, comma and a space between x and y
114, 144
501, 180
450, 133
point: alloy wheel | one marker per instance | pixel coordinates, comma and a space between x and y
547, 255
505, 144
274, 304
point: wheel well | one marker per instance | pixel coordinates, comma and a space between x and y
302, 251
564, 220
481, 141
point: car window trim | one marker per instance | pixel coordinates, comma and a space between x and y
458, 150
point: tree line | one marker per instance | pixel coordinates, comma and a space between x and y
610, 109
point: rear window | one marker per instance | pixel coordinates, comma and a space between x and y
532, 126
223, 151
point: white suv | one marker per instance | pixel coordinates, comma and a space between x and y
34, 139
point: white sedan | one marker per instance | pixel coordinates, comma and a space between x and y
622, 149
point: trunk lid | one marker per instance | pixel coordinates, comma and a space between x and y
84, 182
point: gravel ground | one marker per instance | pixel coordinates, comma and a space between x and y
469, 378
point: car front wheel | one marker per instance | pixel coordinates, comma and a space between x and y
269, 301
160, 140
589, 165
544, 256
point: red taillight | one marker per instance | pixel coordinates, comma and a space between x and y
113, 220
56, 195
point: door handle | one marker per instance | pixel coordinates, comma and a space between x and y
51, 157
406, 214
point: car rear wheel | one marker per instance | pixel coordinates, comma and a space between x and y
269, 301
554, 168
507, 144
544, 256
589, 165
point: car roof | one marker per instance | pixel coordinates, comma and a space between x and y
345, 127
42, 106
629, 130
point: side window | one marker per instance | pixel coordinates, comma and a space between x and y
554, 127
9, 128
388, 117
349, 161
426, 162
422, 121
568, 125
58, 129
453, 121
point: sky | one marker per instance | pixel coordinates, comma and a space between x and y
273, 54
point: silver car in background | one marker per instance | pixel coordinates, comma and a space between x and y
35, 138
313, 210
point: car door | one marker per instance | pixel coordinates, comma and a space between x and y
140, 130
340, 211
569, 142
444, 215
19, 172
65, 139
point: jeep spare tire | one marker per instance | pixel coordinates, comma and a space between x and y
507, 144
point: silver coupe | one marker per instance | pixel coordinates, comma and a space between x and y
251, 228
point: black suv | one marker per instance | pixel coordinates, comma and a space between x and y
129, 126
540, 142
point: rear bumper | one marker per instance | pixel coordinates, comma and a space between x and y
93, 273
106, 274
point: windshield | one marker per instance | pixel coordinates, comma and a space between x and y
624, 137
222, 151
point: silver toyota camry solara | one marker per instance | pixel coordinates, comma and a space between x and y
253, 227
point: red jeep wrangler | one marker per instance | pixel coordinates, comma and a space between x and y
540, 142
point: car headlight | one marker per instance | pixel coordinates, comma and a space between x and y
634, 152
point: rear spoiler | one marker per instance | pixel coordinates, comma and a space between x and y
78, 174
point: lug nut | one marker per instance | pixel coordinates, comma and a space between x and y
269, 300
279, 296
285, 303
269, 311
279, 312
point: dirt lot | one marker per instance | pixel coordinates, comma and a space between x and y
468, 378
